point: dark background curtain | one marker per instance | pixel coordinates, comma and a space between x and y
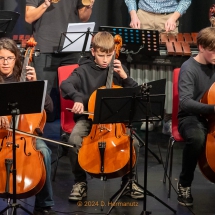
114, 13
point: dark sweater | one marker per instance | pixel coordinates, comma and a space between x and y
87, 78
195, 79
48, 101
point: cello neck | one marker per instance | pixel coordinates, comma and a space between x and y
110, 73
25, 63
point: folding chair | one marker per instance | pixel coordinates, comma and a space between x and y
66, 117
175, 137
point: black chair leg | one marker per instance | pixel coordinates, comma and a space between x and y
56, 162
170, 169
167, 159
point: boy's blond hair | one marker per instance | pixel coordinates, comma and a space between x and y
103, 41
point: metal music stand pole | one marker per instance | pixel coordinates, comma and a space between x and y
146, 93
87, 33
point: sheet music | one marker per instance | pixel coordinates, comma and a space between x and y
77, 43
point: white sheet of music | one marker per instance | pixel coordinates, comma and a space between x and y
77, 39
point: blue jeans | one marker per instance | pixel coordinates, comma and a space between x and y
45, 197
193, 129
81, 129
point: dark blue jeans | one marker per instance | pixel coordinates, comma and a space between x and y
193, 129
82, 129
45, 197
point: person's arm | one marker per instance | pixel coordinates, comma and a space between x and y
135, 22
34, 13
4, 122
171, 23
85, 12
183, 5
69, 91
186, 88
69, 87
119, 69
49, 107
132, 8
124, 80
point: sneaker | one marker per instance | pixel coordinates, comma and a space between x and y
135, 193
78, 192
44, 211
151, 125
184, 195
167, 128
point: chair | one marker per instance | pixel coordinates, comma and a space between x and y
175, 137
66, 117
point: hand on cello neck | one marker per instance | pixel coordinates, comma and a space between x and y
119, 69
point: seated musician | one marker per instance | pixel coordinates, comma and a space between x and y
10, 71
196, 76
88, 77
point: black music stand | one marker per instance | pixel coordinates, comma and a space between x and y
68, 41
136, 41
19, 98
8, 20
126, 105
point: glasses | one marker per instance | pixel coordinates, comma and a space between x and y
8, 59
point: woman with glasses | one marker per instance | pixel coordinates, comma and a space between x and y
10, 71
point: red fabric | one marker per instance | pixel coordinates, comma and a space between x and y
175, 104
67, 122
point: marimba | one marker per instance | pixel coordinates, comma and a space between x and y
21, 40
174, 49
179, 44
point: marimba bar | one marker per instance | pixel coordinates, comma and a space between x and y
178, 44
21, 39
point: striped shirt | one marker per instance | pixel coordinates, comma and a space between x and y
159, 6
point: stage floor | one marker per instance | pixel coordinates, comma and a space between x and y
100, 192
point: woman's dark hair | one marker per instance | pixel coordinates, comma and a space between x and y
10, 45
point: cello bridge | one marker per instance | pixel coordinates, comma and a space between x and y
8, 143
103, 127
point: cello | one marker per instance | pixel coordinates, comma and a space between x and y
29, 160
107, 147
206, 160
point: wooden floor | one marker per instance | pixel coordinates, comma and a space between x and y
100, 192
